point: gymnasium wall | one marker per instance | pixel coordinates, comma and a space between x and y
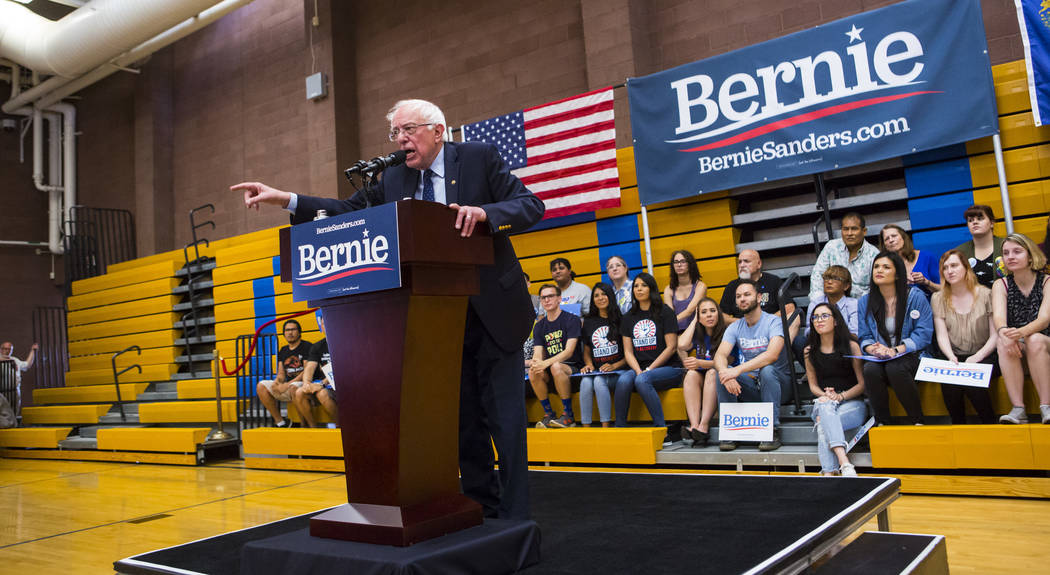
227, 103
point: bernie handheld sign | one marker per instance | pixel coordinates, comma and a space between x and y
352, 253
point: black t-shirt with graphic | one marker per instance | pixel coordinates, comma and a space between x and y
647, 334
294, 360
603, 339
768, 287
553, 336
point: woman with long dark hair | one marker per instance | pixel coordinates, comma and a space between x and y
685, 289
962, 320
602, 355
837, 381
896, 324
702, 336
1021, 310
650, 345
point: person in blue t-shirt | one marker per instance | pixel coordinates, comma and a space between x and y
762, 374
556, 356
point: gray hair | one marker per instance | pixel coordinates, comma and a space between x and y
428, 112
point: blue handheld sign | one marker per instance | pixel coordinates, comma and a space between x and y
348, 254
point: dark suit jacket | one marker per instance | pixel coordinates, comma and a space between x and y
475, 175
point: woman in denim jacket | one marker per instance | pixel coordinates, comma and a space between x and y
896, 324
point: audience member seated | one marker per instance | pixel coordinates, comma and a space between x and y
921, 266
1022, 322
616, 268
291, 360
837, 381
962, 320
852, 252
556, 355
749, 267
602, 355
572, 291
685, 289
318, 386
762, 374
650, 345
7, 350
702, 336
896, 324
984, 252
837, 282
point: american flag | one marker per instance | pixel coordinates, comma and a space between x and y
564, 151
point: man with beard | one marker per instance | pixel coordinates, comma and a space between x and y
762, 374
290, 362
850, 252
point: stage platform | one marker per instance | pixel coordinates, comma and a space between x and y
632, 522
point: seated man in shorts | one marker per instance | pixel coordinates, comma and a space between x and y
291, 359
556, 355
321, 392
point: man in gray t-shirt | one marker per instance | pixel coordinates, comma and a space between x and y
762, 374
572, 291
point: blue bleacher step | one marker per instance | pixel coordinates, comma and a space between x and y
196, 268
202, 321
195, 340
77, 442
191, 375
196, 357
197, 286
158, 396
91, 431
185, 306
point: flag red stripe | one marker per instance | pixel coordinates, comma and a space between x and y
576, 97
569, 115
566, 134
578, 208
572, 153
570, 171
580, 188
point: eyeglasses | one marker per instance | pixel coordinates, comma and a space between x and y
549, 296
676, 262
822, 317
407, 129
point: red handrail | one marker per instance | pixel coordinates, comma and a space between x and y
255, 340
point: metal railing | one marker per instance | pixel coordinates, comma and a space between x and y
9, 383
792, 281
96, 238
117, 374
192, 274
250, 411
52, 359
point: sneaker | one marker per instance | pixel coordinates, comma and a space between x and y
771, 445
563, 421
285, 422
1016, 416
848, 470
700, 438
1044, 411
668, 441
726, 445
545, 422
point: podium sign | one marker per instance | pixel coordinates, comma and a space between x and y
349, 254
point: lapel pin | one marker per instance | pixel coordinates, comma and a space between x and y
453, 182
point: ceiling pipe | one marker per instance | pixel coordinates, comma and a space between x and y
58, 87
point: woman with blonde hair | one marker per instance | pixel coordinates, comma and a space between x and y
1022, 323
962, 320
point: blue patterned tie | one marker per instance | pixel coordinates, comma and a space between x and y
428, 185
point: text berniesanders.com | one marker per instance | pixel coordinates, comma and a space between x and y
771, 150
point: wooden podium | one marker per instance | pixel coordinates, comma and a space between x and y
396, 358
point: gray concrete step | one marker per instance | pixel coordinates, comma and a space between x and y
198, 285
192, 375
78, 442
204, 302
201, 322
163, 386
114, 418
196, 268
158, 396
196, 340
92, 430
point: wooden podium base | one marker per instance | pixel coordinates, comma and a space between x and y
393, 525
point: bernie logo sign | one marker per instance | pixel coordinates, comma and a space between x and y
323, 264
744, 422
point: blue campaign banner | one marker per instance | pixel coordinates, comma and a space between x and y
894, 81
1034, 19
353, 253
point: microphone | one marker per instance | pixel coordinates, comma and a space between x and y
376, 165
